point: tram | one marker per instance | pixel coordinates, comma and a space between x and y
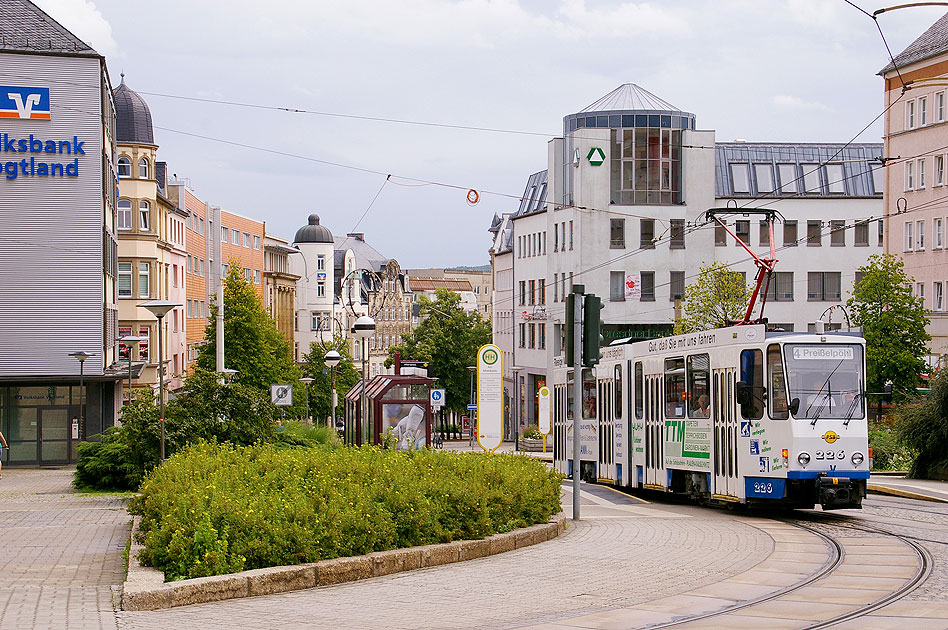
737, 415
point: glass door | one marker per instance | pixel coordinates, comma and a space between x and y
55, 435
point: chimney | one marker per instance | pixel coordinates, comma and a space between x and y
359, 236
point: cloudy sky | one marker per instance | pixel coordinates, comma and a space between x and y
768, 70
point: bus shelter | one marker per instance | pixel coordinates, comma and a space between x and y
400, 403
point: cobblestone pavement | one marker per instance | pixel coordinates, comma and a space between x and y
61, 558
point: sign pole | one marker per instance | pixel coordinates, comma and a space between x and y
577, 391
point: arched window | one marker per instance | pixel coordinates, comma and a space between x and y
143, 168
124, 167
124, 214
144, 216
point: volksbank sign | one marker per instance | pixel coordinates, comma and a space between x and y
33, 103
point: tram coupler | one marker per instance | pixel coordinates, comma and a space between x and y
835, 493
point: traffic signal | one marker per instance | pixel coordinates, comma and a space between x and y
570, 328
592, 330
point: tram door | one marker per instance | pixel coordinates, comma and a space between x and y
726, 427
654, 432
607, 464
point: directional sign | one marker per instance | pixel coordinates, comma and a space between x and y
472, 407
596, 156
490, 397
543, 410
281, 395
437, 398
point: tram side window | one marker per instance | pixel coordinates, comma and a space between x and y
639, 391
750, 394
699, 395
589, 395
675, 388
778, 384
618, 391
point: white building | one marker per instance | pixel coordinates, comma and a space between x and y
502, 320
315, 317
620, 209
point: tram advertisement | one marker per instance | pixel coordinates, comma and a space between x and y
688, 444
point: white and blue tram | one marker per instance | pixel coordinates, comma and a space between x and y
732, 415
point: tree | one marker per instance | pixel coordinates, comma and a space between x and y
717, 295
893, 322
320, 390
923, 427
253, 345
448, 339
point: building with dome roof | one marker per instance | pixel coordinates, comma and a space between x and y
620, 208
58, 258
318, 313
152, 251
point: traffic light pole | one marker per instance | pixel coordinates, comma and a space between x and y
577, 389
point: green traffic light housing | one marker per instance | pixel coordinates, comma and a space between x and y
592, 330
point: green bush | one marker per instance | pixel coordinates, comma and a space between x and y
108, 463
215, 509
532, 433
923, 426
888, 453
295, 434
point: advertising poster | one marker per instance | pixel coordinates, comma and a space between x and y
633, 286
407, 422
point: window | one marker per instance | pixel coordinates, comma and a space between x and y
909, 237
124, 214
523, 292
571, 236
616, 286
764, 233
556, 237
256, 279
781, 287
811, 178
647, 233
743, 231
617, 233
910, 114
938, 297
201, 268
788, 178
920, 292
247, 275
124, 167
777, 393
648, 286
246, 239
861, 234
533, 291
921, 173
125, 279
823, 286
677, 234
143, 345
938, 225
556, 287
790, 234
320, 262
675, 388
235, 237
920, 236
144, 274
922, 111
320, 289
909, 175
939, 107
190, 308
190, 264
739, 178
223, 234
523, 335
837, 233
144, 224
676, 285
834, 178
720, 235
939, 170
765, 177
881, 231
752, 373
256, 243
143, 168
533, 335
699, 386
639, 391
541, 291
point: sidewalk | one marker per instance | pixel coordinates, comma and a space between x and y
924, 489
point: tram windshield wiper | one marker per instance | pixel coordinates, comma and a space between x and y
852, 408
819, 410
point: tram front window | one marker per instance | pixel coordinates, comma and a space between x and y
825, 380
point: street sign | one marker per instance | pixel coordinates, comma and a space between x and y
472, 407
543, 410
490, 397
437, 398
281, 395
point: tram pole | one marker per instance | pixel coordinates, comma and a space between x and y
578, 290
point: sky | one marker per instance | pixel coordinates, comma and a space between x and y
759, 70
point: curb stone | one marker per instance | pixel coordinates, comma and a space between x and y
905, 494
145, 587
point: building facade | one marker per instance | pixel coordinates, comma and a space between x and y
58, 261
915, 184
279, 284
502, 298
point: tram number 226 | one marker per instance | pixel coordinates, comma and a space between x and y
831, 455
763, 487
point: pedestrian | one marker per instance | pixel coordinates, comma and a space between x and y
3, 441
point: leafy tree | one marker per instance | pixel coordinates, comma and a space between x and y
893, 322
253, 345
717, 295
924, 428
448, 339
320, 390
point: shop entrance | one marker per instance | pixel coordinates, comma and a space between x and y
41, 436
55, 445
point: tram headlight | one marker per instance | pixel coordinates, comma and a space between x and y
803, 458
857, 458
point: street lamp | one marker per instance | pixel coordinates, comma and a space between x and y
130, 342
331, 360
306, 381
82, 356
364, 328
516, 372
160, 308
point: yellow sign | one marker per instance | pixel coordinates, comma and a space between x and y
830, 436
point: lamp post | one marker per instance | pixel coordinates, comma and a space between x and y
81, 356
306, 381
364, 328
129, 342
517, 411
160, 308
331, 360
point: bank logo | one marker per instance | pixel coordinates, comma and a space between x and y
24, 102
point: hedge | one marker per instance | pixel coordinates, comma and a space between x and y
214, 509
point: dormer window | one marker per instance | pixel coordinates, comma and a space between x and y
124, 167
143, 168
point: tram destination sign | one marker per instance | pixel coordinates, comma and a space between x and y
815, 352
